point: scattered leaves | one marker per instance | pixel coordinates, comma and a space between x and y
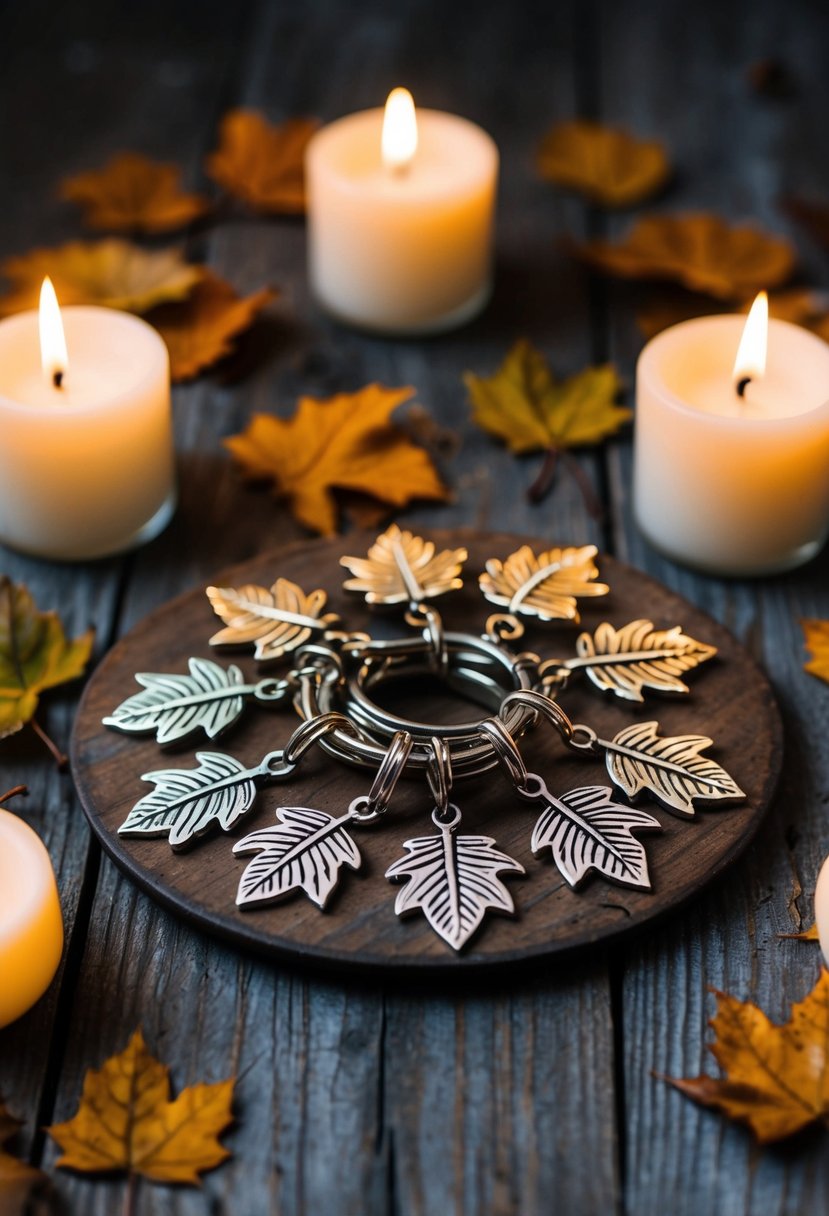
126, 1121
346, 442
546, 586
34, 655
132, 193
799, 305
609, 166
262, 164
701, 251
16, 1177
776, 1077
816, 637
111, 272
200, 330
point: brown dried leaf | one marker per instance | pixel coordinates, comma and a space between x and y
609, 166
799, 305
16, 1177
200, 330
700, 251
126, 1121
262, 164
816, 639
344, 443
111, 272
777, 1077
132, 193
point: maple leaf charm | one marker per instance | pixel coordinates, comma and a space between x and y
624, 661
403, 568
305, 853
453, 880
546, 586
277, 620
211, 698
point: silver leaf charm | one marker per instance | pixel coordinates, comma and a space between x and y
624, 661
211, 699
670, 768
304, 852
586, 830
453, 880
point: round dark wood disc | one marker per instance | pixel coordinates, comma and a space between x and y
730, 701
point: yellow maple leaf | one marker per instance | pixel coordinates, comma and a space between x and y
799, 305
816, 638
200, 330
111, 272
262, 164
126, 1121
34, 655
609, 166
17, 1177
700, 251
777, 1077
344, 443
132, 193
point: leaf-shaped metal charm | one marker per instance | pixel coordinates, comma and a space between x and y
211, 698
277, 621
453, 880
304, 852
187, 802
624, 661
672, 769
586, 830
402, 568
546, 586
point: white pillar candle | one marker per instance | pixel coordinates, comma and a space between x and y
730, 484
31, 927
86, 469
400, 237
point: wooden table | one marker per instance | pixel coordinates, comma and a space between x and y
527, 1097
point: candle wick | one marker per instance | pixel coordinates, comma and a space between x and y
742, 385
57, 377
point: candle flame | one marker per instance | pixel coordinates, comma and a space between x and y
53, 354
399, 139
751, 353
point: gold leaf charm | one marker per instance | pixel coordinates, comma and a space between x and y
277, 621
545, 586
624, 661
402, 568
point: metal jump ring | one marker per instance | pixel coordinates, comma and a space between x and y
538, 702
389, 773
429, 621
439, 773
506, 751
310, 731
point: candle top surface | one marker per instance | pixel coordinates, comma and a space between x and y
26, 875
111, 354
693, 363
452, 154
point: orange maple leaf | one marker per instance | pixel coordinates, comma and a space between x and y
133, 193
609, 166
777, 1077
126, 1121
262, 164
345, 443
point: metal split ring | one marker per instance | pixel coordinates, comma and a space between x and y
506, 750
439, 773
376, 802
310, 732
538, 703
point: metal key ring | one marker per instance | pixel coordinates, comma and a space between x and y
312, 730
389, 773
439, 773
539, 703
506, 751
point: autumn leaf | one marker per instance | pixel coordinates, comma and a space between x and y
808, 935
777, 1077
262, 164
816, 640
111, 272
34, 655
522, 404
700, 251
799, 305
16, 1177
200, 330
609, 166
344, 443
126, 1121
133, 193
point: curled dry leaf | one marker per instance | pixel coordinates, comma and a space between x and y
132, 193
126, 1121
609, 166
262, 164
701, 251
200, 330
17, 1178
799, 305
546, 586
776, 1077
344, 443
816, 637
112, 272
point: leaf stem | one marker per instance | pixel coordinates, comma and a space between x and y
542, 485
591, 500
130, 1193
21, 790
60, 758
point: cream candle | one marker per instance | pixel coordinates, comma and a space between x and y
400, 218
31, 927
86, 452
731, 462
